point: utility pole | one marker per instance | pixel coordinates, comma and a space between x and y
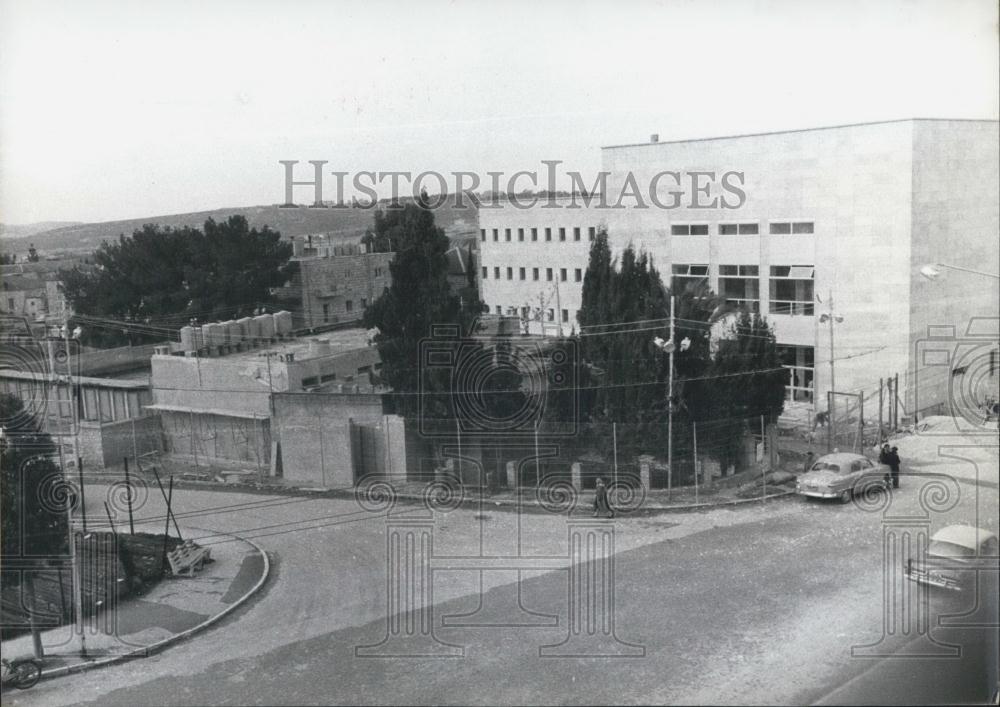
670, 405
558, 307
71, 535
830, 318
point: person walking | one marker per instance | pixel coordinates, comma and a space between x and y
601, 504
892, 459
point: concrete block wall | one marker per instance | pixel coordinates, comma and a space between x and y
316, 438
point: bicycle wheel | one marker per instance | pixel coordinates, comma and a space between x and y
26, 674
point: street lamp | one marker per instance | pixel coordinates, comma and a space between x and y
932, 271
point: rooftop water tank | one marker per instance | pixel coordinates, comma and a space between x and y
266, 324
283, 323
187, 339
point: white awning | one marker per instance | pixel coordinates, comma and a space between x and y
206, 411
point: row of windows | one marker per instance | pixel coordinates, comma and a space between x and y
678, 229
525, 313
791, 286
777, 228
522, 274
522, 234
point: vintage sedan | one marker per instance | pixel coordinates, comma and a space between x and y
841, 475
955, 556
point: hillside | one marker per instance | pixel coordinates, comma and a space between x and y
26, 230
350, 223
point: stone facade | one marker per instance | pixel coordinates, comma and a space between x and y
335, 288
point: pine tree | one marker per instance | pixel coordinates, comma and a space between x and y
419, 299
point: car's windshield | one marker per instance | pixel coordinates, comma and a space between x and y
826, 466
945, 549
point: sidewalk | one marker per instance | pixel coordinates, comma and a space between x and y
654, 501
170, 612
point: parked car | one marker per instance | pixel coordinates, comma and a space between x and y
955, 555
841, 475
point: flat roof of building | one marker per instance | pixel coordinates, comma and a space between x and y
341, 341
799, 130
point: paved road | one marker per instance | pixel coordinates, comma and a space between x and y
756, 605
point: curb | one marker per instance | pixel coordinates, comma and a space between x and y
154, 648
350, 493
642, 510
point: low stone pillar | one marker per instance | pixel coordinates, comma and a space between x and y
576, 476
645, 464
511, 475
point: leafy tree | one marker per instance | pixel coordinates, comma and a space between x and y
745, 381
8, 258
419, 298
163, 276
616, 336
32, 523
33, 511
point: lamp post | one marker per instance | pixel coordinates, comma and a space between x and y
668, 346
830, 317
932, 271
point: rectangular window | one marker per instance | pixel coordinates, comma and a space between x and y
685, 276
534, 273
576, 233
562, 233
741, 229
791, 290
326, 313
548, 274
520, 234
689, 229
548, 234
506, 234
524, 312
364, 303
534, 234
565, 316
522, 273
562, 274
578, 275
499, 310
592, 233
739, 285
800, 363
510, 273
550, 315
496, 234
485, 270
349, 306
482, 234
496, 273
783, 228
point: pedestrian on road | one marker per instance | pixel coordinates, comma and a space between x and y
601, 504
893, 461
810, 458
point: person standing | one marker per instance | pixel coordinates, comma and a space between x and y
601, 504
807, 465
892, 459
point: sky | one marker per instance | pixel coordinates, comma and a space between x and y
112, 110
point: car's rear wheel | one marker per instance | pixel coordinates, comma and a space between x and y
845, 496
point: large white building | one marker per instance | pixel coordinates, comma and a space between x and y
850, 211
